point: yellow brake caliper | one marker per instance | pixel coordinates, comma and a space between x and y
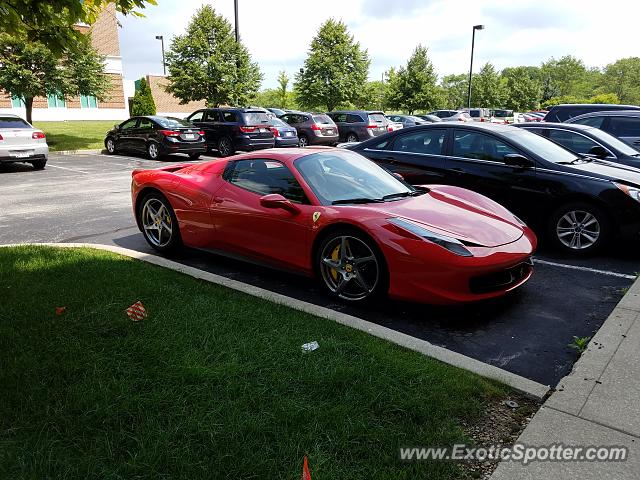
335, 255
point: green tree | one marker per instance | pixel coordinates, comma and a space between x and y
335, 70
487, 88
51, 22
622, 77
372, 96
564, 76
206, 63
521, 90
30, 69
283, 83
454, 90
143, 103
414, 87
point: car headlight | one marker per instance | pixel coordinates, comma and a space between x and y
631, 191
450, 243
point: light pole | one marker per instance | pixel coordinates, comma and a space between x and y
473, 41
164, 65
235, 7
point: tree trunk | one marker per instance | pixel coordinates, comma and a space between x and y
28, 102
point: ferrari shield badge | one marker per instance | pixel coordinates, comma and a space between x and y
316, 216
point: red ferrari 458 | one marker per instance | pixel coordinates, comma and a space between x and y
333, 214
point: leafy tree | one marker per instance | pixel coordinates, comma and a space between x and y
372, 96
604, 98
414, 87
622, 77
50, 22
335, 70
522, 92
283, 83
454, 90
206, 63
487, 89
564, 76
143, 103
30, 69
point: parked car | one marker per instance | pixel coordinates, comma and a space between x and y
334, 215
579, 203
231, 129
156, 137
623, 124
359, 125
452, 115
562, 113
407, 120
586, 140
479, 114
285, 135
506, 116
313, 128
277, 112
21, 142
429, 118
391, 126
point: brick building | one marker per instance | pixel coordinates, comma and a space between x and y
166, 104
104, 37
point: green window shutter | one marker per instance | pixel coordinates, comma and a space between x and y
17, 102
93, 102
52, 101
61, 102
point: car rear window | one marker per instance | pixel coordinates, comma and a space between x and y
503, 113
474, 113
172, 122
255, 118
376, 118
323, 119
13, 122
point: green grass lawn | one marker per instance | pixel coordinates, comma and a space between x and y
76, 134
213, 384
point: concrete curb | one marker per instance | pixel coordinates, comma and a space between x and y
522, 384
76, 152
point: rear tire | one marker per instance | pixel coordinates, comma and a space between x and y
153, 151
303, 141
579, 228
158, 223
194, 156
225, 147
39, 164
352, 137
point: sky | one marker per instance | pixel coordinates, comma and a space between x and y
517, 32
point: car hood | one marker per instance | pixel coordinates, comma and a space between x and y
609, 171
481, 222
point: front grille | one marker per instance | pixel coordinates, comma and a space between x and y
501, 280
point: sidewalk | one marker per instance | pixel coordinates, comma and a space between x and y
597, 404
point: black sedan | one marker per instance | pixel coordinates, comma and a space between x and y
156, 137
585, 140
578, 202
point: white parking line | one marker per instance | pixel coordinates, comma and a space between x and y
585, 269
66, 168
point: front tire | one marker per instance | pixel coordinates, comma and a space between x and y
110, 146
579, 228
159, 223
351, 267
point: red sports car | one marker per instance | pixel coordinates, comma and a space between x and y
333, 214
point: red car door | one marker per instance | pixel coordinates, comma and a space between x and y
243, 225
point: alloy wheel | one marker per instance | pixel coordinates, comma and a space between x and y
225, 147
578, 229
153, 151
303, 142
156, 222
111, 148
349, 268
352, 138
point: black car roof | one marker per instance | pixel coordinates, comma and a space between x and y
567, 126
615, 105
609, 113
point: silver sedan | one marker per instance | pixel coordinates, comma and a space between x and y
20, 142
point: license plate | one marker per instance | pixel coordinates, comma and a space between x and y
329, 132
26, 154
262, 130
189, 136
288, 134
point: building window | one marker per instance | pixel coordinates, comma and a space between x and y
88, 101
17, 102
54, 101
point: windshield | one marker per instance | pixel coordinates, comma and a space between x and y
341, 176
255, 118
614, 142
503, 113
172, 122
323, 119
541, 146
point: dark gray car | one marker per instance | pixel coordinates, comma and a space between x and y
622, 124
407, 120
359, 125
563, 112
312, 128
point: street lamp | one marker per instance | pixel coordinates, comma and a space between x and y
473, 41
164, 65
235, 8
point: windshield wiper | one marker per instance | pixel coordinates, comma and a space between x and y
414, 193
357, 200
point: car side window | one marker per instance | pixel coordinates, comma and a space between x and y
145, 123
624, 126
591, 121
212, 116
229, 117
197, 117
129, 124
351, 118
265, 177
479, 146
572, 141
341, 117
427, 142
290, 119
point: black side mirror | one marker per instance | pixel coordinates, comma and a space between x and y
518, 161
599, 151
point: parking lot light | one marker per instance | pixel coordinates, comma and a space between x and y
473, 41
164, 65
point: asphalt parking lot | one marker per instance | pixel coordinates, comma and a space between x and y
85, 198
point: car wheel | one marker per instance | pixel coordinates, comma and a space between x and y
351, 267
303, 141
110, 145
159, 223
579, 228
194, 156
153, 151
352, 137
225, 147
39, 164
